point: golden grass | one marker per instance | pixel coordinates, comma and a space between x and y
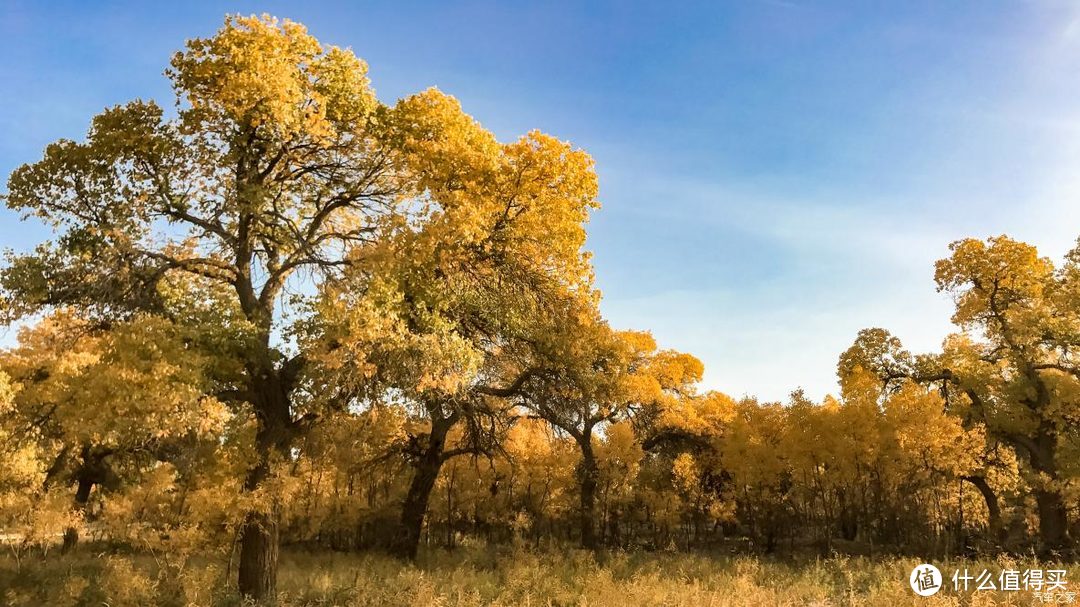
499, 577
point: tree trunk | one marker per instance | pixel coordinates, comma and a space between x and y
1053, 514
1053, 522
413, 511
450, 508
93, 470
997, 529
257, 573
588, 475
82, 496
259, 556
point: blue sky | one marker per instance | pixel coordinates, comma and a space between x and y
775, 174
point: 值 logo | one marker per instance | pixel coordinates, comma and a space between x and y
925, 579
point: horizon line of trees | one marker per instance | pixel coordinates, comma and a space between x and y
288, 312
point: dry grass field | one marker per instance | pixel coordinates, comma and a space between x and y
494, 576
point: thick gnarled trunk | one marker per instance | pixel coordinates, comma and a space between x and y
82, 497
1053, 523
93, 470
1053, 513
588, 476
414, 510
257, 577
993, 507
427, 466
257, 574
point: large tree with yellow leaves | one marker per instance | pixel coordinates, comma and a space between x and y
279, 171
1012, 369
443, 311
